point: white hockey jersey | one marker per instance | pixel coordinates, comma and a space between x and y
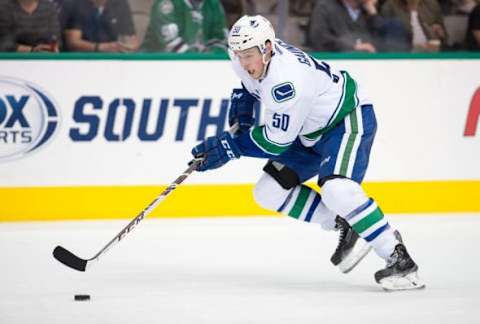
302, 97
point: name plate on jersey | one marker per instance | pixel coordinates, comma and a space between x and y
283, 92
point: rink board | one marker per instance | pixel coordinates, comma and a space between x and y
216, 200
82, 145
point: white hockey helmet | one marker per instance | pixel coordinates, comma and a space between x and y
251, 31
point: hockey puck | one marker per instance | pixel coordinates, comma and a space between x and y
82, 297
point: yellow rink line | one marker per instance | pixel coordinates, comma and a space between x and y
105, 202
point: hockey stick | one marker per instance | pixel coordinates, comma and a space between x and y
71, 260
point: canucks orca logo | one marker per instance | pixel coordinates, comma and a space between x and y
283, 92
28, 118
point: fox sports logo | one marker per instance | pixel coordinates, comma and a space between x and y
28, 118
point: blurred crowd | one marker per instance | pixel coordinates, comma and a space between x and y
201, 25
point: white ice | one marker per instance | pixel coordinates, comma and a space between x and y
233, 270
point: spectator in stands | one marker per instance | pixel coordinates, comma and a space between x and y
186, 26
473, 29
28, 26
101, 26
422, 19
347, 25
235, 9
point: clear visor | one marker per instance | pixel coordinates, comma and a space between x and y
234, 55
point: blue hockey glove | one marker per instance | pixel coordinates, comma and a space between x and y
241, 110
217, 151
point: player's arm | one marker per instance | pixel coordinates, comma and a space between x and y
241, 111
282, 125
218, 150
164, 33
283, 122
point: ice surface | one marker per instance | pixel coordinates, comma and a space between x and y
232, 270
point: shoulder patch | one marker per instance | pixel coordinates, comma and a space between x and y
283, 92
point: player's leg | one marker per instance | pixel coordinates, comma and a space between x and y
349, 146
287, 173
347, 198
280, 189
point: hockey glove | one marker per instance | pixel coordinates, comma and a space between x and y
217, 151
241, 110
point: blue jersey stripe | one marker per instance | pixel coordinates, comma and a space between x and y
374, 235
359, 209
285, 203
313, 206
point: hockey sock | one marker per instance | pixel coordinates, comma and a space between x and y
304, 203
368, 221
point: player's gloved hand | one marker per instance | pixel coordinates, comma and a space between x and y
217, 151
241, 110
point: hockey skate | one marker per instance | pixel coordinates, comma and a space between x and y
400, 272
351, 249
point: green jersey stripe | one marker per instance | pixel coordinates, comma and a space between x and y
260, 139
350, 102
300, 202
340, 101
368, 221
351, 140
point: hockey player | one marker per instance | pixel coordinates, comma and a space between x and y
318, 122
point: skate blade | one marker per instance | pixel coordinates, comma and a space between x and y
409, 282
354, 258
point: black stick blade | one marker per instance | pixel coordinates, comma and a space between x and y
69, 259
